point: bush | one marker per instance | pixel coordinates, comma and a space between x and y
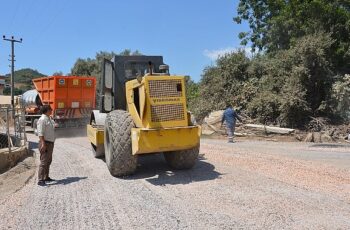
264, 107
294, 109
285, 88
7, 91
341, 97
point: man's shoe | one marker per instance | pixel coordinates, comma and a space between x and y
41, 183
49, 179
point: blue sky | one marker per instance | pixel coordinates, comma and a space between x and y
189, 34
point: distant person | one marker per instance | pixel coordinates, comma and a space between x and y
46, 133
229, 117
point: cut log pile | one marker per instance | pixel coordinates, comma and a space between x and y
319, 129
212, 125
270, 129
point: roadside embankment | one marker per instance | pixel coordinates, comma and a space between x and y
9, 159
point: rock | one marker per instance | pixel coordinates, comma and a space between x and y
299, 137
309, 137
317, 137
326, 138
207, 132
212, 123
214, 117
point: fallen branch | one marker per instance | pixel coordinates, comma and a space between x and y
270, 129
212, 127
240, 134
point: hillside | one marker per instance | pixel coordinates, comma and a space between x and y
23, 78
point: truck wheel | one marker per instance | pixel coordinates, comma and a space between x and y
97, 151
118, 152
183, 159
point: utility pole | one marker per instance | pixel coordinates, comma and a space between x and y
12, 40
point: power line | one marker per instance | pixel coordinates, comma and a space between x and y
27, 11
15, 14
52, 20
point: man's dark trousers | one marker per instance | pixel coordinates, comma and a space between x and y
45, 161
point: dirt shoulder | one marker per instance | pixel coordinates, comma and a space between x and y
17, 177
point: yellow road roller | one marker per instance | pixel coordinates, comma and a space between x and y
142, 110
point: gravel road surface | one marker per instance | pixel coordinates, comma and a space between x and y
245, 185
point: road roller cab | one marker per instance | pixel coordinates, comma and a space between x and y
142, 110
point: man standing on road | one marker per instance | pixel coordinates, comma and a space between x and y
46, 133
229, 117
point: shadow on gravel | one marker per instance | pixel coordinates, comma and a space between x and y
67, 180
154, 169
330, 146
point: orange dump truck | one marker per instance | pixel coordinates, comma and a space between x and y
72, 99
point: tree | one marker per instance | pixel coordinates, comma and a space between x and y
341, 97
222, 83
25, 76
192, 93
59, 73
85, 67
128, 52
16, 92
92, 66
285, 88
277, 25
294, 84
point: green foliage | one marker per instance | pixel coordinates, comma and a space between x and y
222, 83
24, 76
305, 45
294, 109
23, 80
58, 73
7, 91
264, 106
277, 25
285, 88
128, 52
341, 97
308, 74
92, 66
192, 93
85, 67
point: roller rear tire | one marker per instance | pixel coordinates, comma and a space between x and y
183, 159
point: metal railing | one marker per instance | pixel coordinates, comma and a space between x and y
12, 128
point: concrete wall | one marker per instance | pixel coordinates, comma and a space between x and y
8, 160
